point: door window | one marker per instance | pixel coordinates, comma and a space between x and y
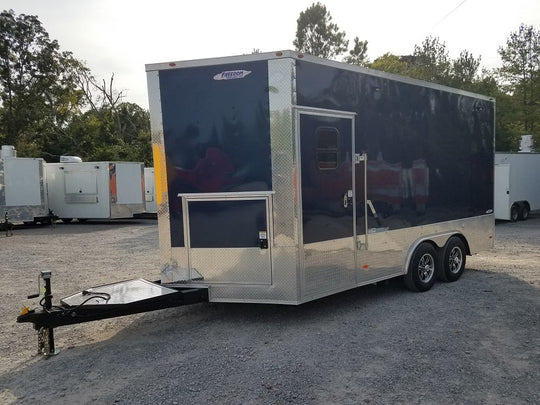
327, 148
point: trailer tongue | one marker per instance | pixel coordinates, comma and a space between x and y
101, 302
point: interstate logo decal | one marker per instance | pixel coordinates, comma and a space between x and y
232, 74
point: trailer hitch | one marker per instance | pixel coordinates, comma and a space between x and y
102, 302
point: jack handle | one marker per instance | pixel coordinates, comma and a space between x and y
39, 289
45, 275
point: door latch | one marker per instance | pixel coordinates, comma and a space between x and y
348, 199
263, 240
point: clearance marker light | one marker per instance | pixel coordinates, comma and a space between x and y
171, 64
279, 53
365, 266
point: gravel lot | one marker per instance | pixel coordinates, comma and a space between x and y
475, 341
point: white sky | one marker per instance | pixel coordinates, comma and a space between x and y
121, 36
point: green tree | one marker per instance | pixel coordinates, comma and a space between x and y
392, 64
464, 71
37, 90
124, 128
317, 35
94, 135
52, 105
430, 61
520, 76
358, 54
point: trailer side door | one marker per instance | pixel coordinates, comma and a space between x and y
328, 201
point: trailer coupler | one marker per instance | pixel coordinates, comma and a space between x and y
102, 302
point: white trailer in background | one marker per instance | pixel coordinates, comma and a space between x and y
517, 185
150, 191
95, 190
23, 195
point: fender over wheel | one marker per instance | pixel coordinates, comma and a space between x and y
421, 272
453, 260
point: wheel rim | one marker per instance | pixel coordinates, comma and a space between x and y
514, 214
426, 268
455, 260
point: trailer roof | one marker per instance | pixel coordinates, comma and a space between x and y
314, 59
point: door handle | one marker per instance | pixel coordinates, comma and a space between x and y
347, 199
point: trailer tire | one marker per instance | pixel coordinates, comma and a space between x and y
523, 212
514, 213
453, 260
66, 220
422, 268
46, 221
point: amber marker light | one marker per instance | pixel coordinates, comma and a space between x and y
365, 266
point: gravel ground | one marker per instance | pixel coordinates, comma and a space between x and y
475, 341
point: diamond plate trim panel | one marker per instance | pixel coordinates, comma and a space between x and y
173, 261
231, 266
283, 151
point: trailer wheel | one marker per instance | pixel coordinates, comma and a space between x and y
524, 212
452, 260
421, 273
514, 213
45, 221
66, 220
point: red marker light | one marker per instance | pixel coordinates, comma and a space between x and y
172, 64
279, 53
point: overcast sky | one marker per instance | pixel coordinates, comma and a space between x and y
121, 36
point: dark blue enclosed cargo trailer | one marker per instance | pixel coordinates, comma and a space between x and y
282, 177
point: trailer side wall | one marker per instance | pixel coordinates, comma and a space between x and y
435, 147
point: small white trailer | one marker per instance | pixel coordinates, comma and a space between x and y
23, 195
95, 190
517, 185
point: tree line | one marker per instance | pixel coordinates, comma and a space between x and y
52, 105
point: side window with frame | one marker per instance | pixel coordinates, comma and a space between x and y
327, 141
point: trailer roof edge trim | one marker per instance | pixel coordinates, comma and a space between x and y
222, 60
314, 59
